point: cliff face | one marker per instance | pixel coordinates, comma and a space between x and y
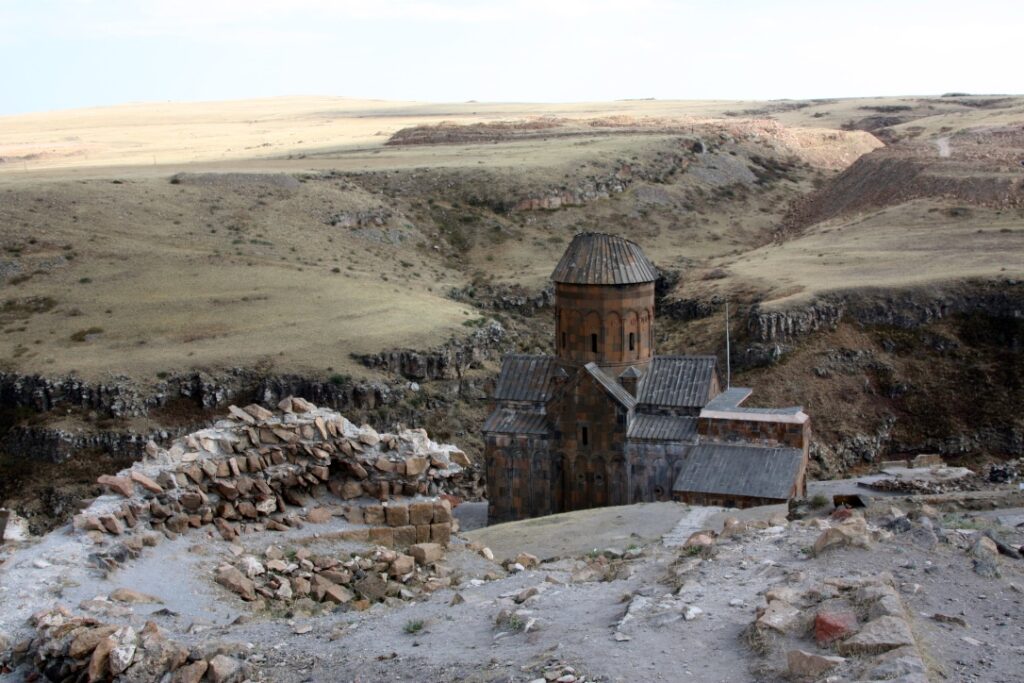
770, 333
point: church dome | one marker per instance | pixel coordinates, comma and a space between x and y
594, 258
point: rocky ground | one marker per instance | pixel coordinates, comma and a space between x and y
918, 587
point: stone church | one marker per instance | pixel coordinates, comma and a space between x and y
605, 421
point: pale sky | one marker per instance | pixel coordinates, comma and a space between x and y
58, 54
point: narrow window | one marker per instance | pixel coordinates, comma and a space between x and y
563, 340
632, 341
593, 343
584, 436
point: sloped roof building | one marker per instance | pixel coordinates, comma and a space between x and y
604, 421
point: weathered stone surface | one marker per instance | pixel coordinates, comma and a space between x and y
120, 485
779, 616
833, 625
896, 664
416, 466
374, 515
881, 635
527, 560
190, 673
427, 553
145, 482
259, 412
421, 513
131, 595
320, 515
235, 581
852, 532
402, 565
372, 587
86, 642
224, 669
337, 594
809, 665
125, 642
397, 515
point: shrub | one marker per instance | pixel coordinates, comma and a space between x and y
81, 335
413, 626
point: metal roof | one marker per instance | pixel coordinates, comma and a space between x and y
678, 381
662, 428
594, 258
611, 386
730, 469
508, 421
525, 378
729, 399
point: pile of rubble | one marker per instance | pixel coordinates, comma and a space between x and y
357, 580
243, 473
69, 647
857, 628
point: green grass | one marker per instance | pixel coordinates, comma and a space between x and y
413, 626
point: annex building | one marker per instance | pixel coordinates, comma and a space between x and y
605, 421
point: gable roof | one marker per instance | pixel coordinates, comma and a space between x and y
662, 428
611, 386
678, 381
525, 378
731, 469
510, 421
593, 258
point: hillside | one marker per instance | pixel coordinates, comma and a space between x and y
379, 257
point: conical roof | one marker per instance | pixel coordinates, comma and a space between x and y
594, 258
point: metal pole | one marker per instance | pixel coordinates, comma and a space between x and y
728, 354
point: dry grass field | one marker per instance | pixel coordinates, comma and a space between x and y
296, 236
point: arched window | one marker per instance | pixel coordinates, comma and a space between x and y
584, 436
563, 340
632, 341
593, 343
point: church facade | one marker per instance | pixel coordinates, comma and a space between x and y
605, 421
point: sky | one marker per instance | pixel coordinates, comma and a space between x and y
60, 54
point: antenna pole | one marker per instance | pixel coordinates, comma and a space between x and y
728, 353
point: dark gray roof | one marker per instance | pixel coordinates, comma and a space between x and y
611, 386
662, 428
735, 470
597, 259
525, 378
677, 381
508, 421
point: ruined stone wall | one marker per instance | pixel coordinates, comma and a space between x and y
723, 500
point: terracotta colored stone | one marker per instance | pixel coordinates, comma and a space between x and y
830, 626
